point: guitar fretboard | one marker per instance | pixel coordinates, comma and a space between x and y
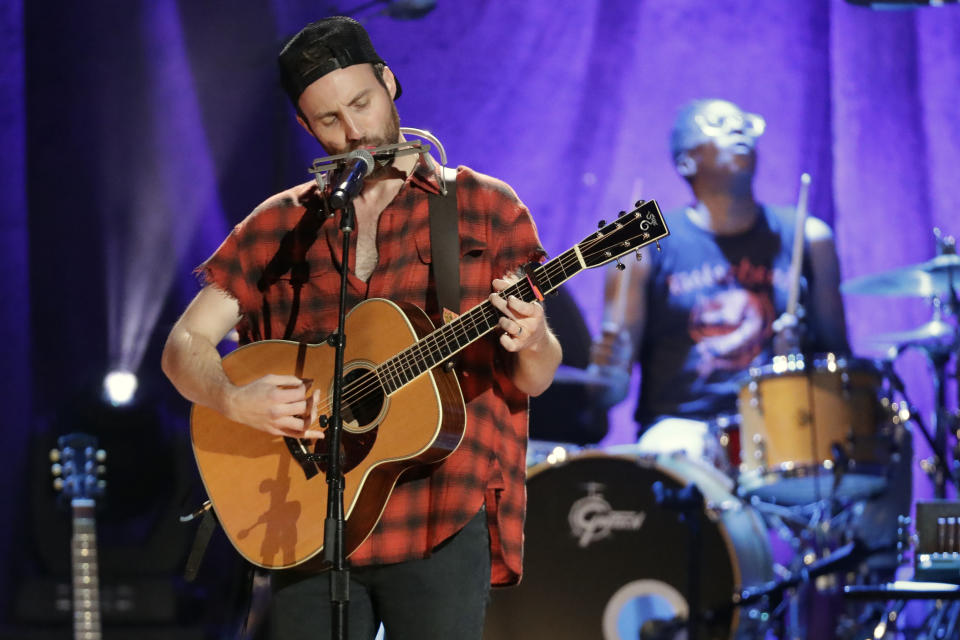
86, 589
455, 336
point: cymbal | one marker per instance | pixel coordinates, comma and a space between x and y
933, 335
930, 278
588, 377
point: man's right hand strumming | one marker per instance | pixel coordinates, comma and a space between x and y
276, 404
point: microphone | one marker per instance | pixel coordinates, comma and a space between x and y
358, 165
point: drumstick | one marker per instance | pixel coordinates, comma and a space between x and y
796, 262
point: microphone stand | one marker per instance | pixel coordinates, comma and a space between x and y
334, 523
333, 526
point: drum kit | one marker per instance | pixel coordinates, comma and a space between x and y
797, 531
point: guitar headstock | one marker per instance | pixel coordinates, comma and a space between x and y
78, 467
628, 233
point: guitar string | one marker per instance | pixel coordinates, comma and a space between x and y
405, 363
362, 388
414, 357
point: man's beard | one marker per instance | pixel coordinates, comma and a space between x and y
390, 135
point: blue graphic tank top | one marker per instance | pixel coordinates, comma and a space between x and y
711, 303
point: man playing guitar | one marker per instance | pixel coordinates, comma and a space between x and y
452, 528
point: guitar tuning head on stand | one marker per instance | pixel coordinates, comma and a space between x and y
78, 470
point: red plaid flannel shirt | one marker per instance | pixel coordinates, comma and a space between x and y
281, 264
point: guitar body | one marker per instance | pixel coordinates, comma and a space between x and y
270, 498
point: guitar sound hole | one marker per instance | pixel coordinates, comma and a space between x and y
363, 400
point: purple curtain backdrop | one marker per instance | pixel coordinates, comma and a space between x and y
136, 133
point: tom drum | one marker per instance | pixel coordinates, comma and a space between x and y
806, 426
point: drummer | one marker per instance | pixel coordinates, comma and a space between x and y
698, 314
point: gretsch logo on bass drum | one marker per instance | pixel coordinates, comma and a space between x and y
591, 518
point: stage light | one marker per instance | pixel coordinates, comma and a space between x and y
119, 387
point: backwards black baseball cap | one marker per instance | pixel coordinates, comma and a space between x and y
321, 47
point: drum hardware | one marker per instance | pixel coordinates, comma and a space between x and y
936, 541
941, 620
846, 558
938, 469
638, 579
939, 339
688, 501
760, 453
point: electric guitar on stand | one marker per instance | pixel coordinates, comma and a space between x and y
401, 408
78, 469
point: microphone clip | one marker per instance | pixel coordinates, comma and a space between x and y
322, 167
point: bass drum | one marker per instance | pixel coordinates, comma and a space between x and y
604, 560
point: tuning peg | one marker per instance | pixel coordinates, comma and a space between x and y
639, 203
58, 484
639, 255
101, 470
56, 469
601, 224
101, 455
101, 484
620, 265
54, 455
658, 245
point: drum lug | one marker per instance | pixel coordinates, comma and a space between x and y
754, 389
760, 453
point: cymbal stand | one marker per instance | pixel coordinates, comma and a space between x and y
942, 420
945, 421
936, 438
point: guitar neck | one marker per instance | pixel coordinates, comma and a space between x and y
453, 337
86, 588
628, 233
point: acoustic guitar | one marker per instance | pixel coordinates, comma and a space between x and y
401, 408
77, 469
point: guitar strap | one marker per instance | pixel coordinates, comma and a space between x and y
445, 248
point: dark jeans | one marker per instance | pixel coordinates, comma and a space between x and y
443, 596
